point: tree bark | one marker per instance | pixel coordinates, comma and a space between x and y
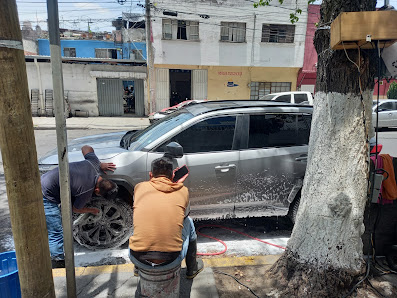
20, 162
324, 255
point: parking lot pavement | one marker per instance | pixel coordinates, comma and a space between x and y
119, 280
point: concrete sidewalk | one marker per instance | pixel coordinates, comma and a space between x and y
121, 123
119, 280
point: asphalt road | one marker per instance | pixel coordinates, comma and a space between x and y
274, 230
388, 138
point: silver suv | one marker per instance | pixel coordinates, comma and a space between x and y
246, 158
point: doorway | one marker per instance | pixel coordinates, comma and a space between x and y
134, 97
180, 85
128, 97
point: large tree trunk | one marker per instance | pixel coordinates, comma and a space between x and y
325, 253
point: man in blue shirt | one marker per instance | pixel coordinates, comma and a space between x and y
85, 181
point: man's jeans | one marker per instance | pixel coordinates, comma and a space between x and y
188, 234
54, 227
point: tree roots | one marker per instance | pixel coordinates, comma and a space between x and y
290, 278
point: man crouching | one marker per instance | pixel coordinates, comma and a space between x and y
163, 232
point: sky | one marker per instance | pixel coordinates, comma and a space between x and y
75, 14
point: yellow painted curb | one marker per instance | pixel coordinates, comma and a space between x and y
241, 261
210, 262
107, 269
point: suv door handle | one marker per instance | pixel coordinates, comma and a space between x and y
225, 169
301, 158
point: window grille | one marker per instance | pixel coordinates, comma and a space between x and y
106, 53
233, 32
69, 52
167, 29
278, 33
180, 29
260, 89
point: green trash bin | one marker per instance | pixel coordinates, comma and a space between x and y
9, 279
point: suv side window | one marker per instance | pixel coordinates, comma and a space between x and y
300, 97
213, 134
284, 98
278, 130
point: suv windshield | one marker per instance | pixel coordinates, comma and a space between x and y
144, 137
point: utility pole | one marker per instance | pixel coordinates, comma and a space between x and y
63, 160
21, 171
89, 22
150, 59
253, 43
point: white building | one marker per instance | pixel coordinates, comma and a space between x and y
92, 87
225, 49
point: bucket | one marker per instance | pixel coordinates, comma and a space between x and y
9, 279
159, 283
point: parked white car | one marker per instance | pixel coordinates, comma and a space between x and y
299, 97
387, 113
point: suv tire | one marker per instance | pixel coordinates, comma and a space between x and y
111, 228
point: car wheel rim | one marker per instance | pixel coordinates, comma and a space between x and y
110, 228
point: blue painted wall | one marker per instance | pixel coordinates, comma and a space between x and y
86, 48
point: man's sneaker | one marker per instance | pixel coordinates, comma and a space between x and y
199, 267
57, 264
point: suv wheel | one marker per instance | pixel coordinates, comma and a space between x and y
110, 228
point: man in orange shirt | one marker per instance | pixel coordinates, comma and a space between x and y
163, 233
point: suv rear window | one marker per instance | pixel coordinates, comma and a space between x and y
278, 130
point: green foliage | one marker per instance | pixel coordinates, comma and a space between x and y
293, 16
392, 92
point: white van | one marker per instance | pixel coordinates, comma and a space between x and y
292, 97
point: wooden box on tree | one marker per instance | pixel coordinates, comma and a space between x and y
351, 30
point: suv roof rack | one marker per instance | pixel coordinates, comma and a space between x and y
215, 105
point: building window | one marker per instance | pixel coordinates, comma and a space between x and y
69, 52
106, 53
137, 55
278, 33
180, 29
232, 32
260, 89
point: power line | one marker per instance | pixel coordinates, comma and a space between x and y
213, 15
251, 29
258, 10
85, 20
